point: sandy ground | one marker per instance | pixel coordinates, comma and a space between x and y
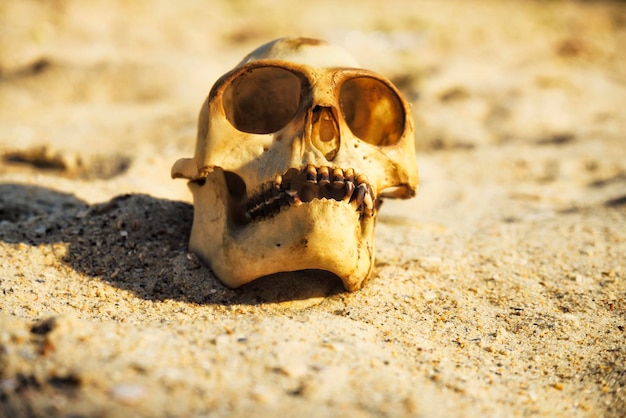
499, 291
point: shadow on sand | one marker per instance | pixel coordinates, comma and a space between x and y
139, 243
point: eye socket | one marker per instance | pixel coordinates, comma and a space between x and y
262, 100
372, 110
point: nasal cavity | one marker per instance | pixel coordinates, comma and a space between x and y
325, 132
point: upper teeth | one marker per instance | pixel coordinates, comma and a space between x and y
295, 187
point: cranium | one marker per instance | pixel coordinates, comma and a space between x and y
295, 148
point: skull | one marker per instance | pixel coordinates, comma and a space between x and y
296, 147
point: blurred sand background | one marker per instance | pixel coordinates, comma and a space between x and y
499, 291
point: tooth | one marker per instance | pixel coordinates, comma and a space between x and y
362, 179
308, 193
275, 188
338, 178
311, 174
292, 197
349, 190
368, 201
359, 196
323, 176
349, 174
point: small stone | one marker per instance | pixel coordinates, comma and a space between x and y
292, 370
263, 394
128, 393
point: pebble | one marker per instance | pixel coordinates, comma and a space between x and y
128, 393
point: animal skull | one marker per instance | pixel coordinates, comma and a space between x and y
295, 148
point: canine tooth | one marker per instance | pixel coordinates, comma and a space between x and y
349, 190
323, 176
278, 181
338, 178
359, 195
311, 174
368, 201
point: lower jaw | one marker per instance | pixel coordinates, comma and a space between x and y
322, 234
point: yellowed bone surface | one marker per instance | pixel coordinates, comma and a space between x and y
296, 146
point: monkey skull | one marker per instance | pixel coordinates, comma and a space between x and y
296, 147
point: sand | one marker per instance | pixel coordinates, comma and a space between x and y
499, 290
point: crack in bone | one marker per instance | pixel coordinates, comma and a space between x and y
295, 187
